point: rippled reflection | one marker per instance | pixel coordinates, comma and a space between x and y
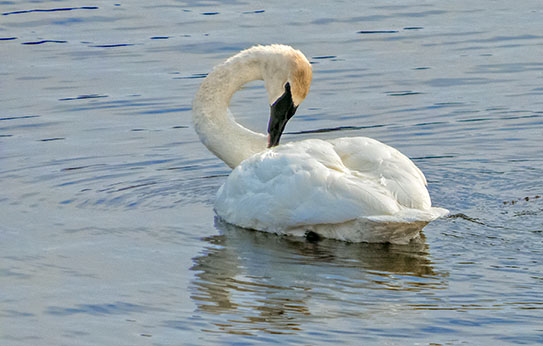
254, 281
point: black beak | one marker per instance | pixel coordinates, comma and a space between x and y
281, 111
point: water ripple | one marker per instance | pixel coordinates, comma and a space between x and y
51, 10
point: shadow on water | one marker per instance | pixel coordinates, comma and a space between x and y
254, 282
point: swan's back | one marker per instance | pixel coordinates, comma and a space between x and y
315, 182
382, 163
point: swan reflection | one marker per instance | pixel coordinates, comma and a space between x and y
248, 281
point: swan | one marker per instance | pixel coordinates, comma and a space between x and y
354, 189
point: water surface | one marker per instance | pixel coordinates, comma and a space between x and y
107, 232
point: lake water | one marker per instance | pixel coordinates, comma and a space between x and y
107, 230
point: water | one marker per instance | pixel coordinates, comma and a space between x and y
107, 232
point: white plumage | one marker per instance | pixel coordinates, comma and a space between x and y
354, 189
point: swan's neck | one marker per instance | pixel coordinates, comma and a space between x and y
212, 119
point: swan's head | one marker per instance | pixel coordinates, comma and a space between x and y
287, 77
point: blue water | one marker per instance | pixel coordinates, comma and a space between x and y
107, 230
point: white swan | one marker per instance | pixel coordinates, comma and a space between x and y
353, 189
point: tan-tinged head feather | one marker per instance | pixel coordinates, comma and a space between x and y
300, 77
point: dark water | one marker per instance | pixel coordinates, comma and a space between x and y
107, 233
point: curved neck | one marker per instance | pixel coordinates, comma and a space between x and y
214, 123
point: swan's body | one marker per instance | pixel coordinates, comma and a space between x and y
355, 189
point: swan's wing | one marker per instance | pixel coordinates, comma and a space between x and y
304, 183
381, 163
